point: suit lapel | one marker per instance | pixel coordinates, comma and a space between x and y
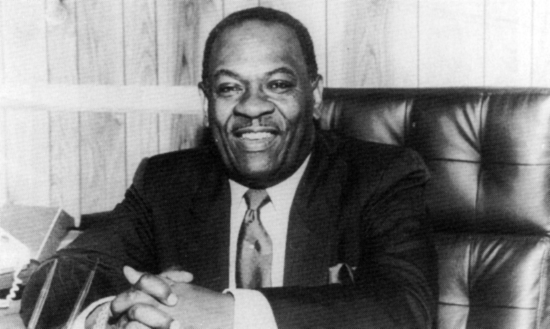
312, 237
210, 231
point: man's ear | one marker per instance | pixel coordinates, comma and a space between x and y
318, 86
204, 100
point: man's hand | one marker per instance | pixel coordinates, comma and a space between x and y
169, 301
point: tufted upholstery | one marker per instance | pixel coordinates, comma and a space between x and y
488, 151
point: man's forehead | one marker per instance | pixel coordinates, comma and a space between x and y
256, 38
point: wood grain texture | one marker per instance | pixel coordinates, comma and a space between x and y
24, 42
541, 44
141, 69
140, 43
27, 139
64, 127
2, 40
508, 41
100, 42
61, 42
142, 140
179, 131
312, 13
231, 6
183, 26
102, 135
102, 160
3, 160
372, 44
450, 43
3, 136
65, 162
28, 157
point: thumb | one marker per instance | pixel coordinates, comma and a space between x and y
131, 275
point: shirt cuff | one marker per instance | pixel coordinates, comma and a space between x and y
80, 322
252, 310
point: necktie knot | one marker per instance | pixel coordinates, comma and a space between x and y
255, 199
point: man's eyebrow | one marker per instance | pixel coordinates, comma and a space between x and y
226, 72
234, 75
283, 70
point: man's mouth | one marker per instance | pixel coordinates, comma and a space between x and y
257, 135
255, 140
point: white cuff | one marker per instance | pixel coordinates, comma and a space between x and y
252, 310
80, 322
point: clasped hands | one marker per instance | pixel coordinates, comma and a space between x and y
170, 301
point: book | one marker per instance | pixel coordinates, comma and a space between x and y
40, 229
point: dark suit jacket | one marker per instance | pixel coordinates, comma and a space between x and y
358, 203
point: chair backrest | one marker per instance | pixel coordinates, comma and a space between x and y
488, 151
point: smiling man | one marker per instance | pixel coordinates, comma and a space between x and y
261, 101
273, 224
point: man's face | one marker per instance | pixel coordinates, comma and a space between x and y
261, 102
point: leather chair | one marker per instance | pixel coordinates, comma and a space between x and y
488, 151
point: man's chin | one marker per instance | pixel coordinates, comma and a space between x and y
255, 177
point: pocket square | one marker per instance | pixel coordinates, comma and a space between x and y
341, 273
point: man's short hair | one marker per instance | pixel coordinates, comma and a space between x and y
265, 15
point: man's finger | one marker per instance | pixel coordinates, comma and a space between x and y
152, 285
136, 325
177, 276
129, 298
151, 317
131, 275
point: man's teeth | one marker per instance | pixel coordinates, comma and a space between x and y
256, 135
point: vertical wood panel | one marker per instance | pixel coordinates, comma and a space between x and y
103, 173
27, 140
451, 43
372, 43
65, 136
61, 42
100, 42
508, 40
180, 131
541, 43
141, 69
28, 150
102, 135
312, 13
3, 163
65, 162
2, 40
24, 41
231, 6
183, 27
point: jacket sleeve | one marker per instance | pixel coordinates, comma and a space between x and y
123, 238
395, 282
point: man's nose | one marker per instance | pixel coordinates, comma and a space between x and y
254, 103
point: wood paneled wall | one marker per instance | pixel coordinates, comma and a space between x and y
87, 86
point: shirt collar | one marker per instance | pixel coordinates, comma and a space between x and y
281, 194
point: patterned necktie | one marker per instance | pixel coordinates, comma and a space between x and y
254, 249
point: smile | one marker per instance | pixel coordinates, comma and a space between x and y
255, 140
257, 135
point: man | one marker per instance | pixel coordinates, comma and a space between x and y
332, 234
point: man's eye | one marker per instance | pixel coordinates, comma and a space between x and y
228, 90
280, 86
